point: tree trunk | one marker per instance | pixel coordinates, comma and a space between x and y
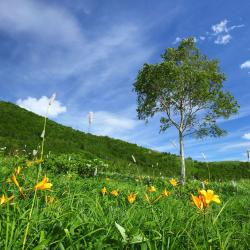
182, 159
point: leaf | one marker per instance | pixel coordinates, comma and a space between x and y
122, 232
139, 238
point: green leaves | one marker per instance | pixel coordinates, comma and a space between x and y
187, 90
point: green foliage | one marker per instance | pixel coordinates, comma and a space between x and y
75, 163
186, 88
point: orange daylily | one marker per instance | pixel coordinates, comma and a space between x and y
4, 199
205, 198
199, 202
104, 191
131, 198
115, 193
13, 178
18, 170
173, 182
210, 196
165, 193
151, 189
44, 184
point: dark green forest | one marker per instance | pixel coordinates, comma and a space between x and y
21, 130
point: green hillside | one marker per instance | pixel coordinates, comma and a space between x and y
21, 129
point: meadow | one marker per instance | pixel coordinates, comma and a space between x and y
99, 209
110, 194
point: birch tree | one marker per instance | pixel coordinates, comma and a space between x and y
186, 89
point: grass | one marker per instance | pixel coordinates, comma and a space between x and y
77, 216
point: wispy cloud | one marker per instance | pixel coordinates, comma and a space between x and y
246, 136
49, 24
224, 39
221, 31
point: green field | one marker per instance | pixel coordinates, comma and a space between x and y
102, 193
74, 214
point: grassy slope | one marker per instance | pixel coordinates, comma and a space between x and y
19, 127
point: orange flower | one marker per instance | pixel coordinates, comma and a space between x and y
44, 184
165, 193
131, 198
115, 193
18, 170
199, 202
4, 199
151, 189
173, 182
13, 178
210, 196
205, 198
104, 191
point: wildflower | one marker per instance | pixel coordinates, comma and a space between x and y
173, 182
199, 202
44, 184
151, 189
13, 178
165, 193
115, 193
204, 199
18, 170
210, 196
4, 199
104, 191
131, 198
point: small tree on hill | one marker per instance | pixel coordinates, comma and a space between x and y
186, 89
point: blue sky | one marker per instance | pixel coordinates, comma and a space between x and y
89, 53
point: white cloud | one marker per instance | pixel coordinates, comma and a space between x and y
49, 24
106, 123
245, 65
39, 106
223, 39
220, 27
246, 136
202, 38
222, 32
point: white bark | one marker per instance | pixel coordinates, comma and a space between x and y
182, 158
